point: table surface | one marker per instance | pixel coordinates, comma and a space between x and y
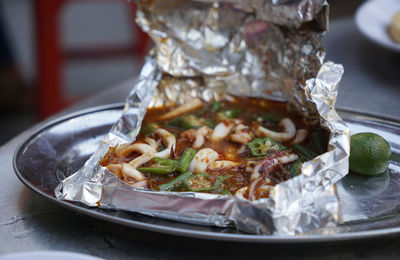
28, 222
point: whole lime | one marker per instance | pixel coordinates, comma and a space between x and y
369, 154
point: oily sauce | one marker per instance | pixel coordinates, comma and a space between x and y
253, 110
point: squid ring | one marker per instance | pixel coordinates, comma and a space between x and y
289, 131
169, 140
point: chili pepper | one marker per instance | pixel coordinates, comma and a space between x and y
161, 167
186, 158
172, 185
196, 183
318, 141
208, 122
177, 122
228, 114
295, 169
148, 129
264, 146
188, 122
201, 183
305, 152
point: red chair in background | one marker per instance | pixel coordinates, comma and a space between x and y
51, 57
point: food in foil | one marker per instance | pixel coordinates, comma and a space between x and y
237, 146
294, 206
205, 50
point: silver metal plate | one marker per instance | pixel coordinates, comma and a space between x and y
59, 148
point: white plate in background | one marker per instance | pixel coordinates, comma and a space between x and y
48, 255
372, 19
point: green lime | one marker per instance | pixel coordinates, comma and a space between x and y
369, 154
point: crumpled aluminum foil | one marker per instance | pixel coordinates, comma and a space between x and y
208, 49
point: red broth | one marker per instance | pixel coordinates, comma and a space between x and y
251, 112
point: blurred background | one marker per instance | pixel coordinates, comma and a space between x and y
64, 50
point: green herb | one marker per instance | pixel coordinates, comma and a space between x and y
319, 141
214, 107
305, 152
268, 117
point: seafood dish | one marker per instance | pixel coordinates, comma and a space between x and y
237, 146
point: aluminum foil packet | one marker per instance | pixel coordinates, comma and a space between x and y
207, 49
